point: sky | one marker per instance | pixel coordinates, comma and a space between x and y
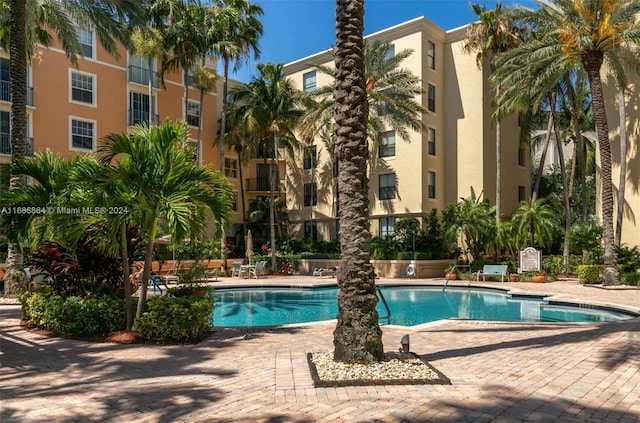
294, 29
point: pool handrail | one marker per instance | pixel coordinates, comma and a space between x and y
386, 306
453, 272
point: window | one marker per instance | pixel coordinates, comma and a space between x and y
311, 230
82, 88
387, 226
391, 52
431, 184
431, 141
309, 81
387, 146
387, 186
310, 194
82, 134
139, 71
431, 98
5, 70
521, 194
234, 202
5, 132
310, 160
230, 168
138, 108
431, 55
521, 156
193, 113
86, 42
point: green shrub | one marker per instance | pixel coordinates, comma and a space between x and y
88, 316
175, 320
628, 259
73, 315
630, 278
590, 273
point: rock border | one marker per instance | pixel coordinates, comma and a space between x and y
321, 383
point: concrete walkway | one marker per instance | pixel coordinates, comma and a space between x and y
500, 372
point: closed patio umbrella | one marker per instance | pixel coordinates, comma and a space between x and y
249, 246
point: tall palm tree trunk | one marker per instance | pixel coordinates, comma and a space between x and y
592, 62
623, 164
579, 162
498, 170
543, 158
15, 282
242, 200
272, 205
563, 175
223, 130
357, 337
146, 271
125, 275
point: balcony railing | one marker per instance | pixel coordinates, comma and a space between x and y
5, 96
141, 76
5, 145
261, 185
140, 116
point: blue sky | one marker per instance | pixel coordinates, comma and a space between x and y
294, 29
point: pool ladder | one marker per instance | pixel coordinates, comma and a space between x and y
386, 306
453, 269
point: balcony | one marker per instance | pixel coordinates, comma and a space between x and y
140, 75
5, 145
5, 96
140, 116
261, 185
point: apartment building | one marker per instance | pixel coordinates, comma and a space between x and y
71, 108
630, 234
454, 153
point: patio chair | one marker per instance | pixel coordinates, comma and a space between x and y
259, 269
235, 270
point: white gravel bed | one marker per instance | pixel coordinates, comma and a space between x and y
393, 367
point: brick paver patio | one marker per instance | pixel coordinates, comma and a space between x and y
502, 372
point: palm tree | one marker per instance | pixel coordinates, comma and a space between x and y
270, 107
474, 224
587, 34
357, 337
495, 32
391, 94
156, 163
238, 31
533, 223
238, 138
108, 22
15, 280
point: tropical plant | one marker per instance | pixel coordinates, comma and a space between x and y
533, 223
473, 224
238, 31
587, 34
156, 163
270, 106
495, 32
25, 29
391, 95
357, 337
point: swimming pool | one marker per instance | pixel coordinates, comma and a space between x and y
409, 306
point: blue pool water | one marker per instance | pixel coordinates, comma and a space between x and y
409, 306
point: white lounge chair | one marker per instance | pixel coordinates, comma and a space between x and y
260, 268
235, 270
